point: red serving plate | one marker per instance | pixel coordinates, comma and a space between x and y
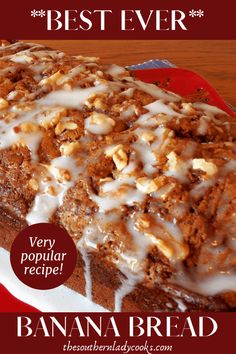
181, 81
186, 83
9, 303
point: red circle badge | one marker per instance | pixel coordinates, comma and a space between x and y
43, 256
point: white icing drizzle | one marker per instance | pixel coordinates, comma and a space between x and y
131, 167
73, 72
203, 126
142, 244
217, 284
147, 157
19, 58
10, 136
147, 120
16, 45
200, 189
148, 153
171, 228
129, 195
102, 126
127, 286
71, 99
29, 55
209, 108
12, 95
45, 203
160, 106
129, 112
181, 306
229, 167
129, 92
180, 172
45, 116
38, 68
91, 237
24, 56
32, 143
156, 92
87, 272
127, 261
115, 70
209, 285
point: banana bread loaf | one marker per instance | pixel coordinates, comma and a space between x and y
143, 181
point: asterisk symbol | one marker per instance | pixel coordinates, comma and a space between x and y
200, 13
41, 13
34, 13
192, 13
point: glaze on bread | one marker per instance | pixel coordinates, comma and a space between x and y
143, 181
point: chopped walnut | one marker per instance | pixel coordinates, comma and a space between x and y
68, 149
174, 106
3, 103
22, 58
53, 79
112, 149
51, 118
120, 159
99, 104
162, 118
143, 222
99, 123
28, 127
97, 101
167, 250
62, 126
33, 183
147, 136
24, 107
188, 109
172, 161
87, 59
146, 185
106, 179
201, 164
165, 191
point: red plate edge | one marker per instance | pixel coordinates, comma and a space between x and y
9, 303
184, 82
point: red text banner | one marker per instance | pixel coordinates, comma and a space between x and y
124, 19
117, 332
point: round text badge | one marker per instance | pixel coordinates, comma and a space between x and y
43, 256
